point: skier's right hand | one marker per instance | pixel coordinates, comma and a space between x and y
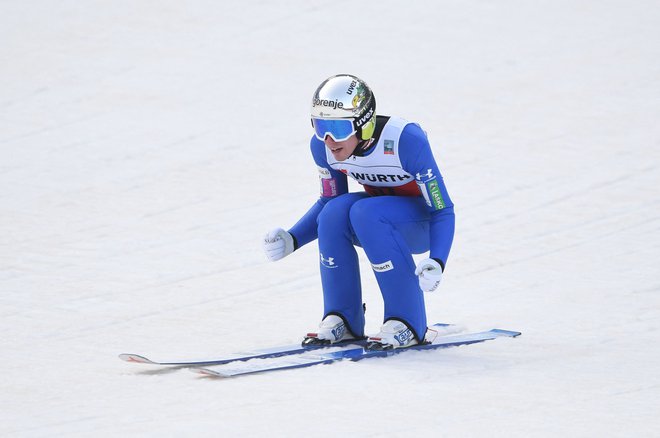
277, 244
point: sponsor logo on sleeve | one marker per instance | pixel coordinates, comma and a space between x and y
323, 172
428, 185
436, 195
328, 183
328, 187
424, 177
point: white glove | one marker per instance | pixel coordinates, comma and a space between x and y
277, 244
429, 272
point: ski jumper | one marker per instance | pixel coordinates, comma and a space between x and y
404, 210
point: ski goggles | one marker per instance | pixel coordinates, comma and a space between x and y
338, 129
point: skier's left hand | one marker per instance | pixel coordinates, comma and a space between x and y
429, 272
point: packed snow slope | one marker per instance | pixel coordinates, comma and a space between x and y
147, 146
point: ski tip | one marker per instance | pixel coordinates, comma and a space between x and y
207, 372
135, 358
509, 333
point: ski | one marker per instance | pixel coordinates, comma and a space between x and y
265, 353
354, 354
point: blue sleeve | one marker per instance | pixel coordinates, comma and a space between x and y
332, 184
417, 159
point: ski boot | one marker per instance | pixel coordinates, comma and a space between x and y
393, 334
332, 330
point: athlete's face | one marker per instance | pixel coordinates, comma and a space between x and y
341, 149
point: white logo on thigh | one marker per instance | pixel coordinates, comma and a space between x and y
383, 267
329, 262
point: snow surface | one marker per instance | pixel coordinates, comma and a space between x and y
146, 147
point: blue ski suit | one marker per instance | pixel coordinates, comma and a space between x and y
404, 210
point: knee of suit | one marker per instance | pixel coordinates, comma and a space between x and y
333, 219
366, 220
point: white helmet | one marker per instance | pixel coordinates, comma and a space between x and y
341, 99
